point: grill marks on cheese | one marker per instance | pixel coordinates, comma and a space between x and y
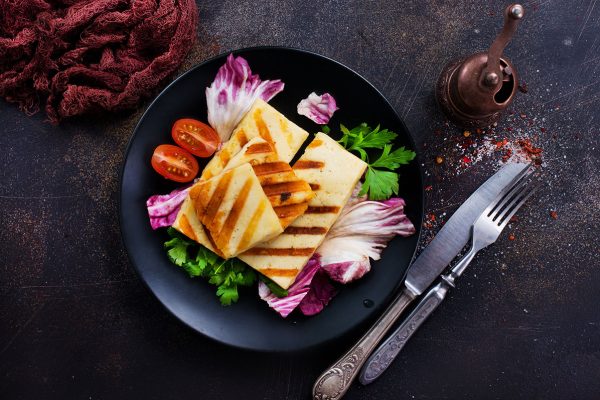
287, 194
262, 121
333, 173
235, 210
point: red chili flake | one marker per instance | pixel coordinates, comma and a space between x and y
479, 131
553, 214
514, 218
543, 130
523, 115
511, 236
427, 225
428, 188
507, 155
501, 143
510, 129
431, 217
466, 159
528, 147
439, 159
467, 133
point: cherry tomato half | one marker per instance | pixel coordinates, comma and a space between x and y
174, 163
196, 137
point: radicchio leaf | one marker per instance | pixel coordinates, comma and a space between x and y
163, 208
285, 305
317, 108
362, 231
233, 92
320, 293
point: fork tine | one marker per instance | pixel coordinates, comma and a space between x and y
516, 180
508, 197
514, 206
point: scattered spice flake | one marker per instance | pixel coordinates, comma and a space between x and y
523, 116
428, 188
507, 155
502, 143
553, 214
479, 131
466, 159
514, 218
439, 159
467, 133
528, 147
431, 217
543, 130
511, 236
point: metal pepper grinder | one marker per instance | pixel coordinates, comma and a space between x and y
473, 91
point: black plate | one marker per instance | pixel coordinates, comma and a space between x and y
250, 323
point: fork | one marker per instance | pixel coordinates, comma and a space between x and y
485, 231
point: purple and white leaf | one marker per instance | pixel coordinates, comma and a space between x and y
361, 232
320, 294
296, 292
233, 92
317, 108
163, 208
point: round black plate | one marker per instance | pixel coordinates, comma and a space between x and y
250, 323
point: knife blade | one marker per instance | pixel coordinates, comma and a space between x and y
453, 236
383, 356
334, 382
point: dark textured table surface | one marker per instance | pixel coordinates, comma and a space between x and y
524, 322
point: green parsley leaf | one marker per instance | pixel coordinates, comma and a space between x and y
228, 294
177, 251
394, 159
197, 260
380, 184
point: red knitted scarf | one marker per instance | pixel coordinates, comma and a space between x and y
82, 56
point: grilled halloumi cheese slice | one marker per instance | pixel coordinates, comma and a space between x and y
187, 222
235, 210
288, 195
332, 173
261, 121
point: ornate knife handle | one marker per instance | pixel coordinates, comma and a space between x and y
381, 358
335, 381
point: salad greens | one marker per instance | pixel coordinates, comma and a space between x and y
380, 180
197, 260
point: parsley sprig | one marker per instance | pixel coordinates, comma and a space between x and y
380, 179
197, 260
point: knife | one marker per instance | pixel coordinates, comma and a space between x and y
383, 355
450, 240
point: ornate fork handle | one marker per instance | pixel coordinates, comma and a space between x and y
381, 359
336, 380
